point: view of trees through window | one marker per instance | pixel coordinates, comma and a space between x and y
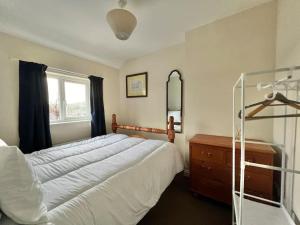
75, 95
54, 103
68, 99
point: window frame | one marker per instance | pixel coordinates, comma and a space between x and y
62, 78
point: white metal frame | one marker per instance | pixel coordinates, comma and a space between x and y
238, 196
62, 78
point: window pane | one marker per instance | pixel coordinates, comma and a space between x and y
75, 95
54, 105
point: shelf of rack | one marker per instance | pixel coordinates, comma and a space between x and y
271, 167
262, 214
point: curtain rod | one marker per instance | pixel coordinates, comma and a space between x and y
58, 70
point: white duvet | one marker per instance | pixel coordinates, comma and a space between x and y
108, 180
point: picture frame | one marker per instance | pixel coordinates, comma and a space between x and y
137, 85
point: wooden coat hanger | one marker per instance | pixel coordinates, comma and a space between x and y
270, 99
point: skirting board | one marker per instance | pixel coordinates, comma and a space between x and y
295, 218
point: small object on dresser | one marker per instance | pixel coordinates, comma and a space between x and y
211, 168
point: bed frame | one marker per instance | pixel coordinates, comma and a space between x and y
170, 131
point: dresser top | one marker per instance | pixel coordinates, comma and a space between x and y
226, 142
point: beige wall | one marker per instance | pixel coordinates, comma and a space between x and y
151, 111
18, 48
288, 54
216, 55
211, 59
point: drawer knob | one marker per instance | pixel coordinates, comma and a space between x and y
209, 154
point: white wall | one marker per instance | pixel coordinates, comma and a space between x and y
216, 56
211, 59
288, 54
151, 111
9, 80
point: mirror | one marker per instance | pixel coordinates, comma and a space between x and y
174, 99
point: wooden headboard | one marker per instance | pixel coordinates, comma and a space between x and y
170, 131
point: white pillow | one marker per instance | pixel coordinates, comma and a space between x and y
21, 198
2, 143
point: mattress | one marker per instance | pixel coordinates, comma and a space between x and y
107, 180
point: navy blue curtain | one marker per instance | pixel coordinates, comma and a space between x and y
34, 124
97, 106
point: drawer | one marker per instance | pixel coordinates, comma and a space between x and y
211, 188
210, 170
207, 153
257, 184
251, 157
259, 194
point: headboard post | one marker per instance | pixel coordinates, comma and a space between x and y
171, 131
114, 125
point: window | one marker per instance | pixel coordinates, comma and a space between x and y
68, 98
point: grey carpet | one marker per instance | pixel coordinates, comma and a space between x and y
177, 206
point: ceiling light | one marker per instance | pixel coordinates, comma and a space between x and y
121, 21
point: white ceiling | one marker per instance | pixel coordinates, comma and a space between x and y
79, 26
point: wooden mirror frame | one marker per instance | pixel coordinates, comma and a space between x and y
181, 100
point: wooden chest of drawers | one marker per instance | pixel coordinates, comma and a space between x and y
211, 168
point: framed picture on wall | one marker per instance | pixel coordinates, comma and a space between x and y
137, 85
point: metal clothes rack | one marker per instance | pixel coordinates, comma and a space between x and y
264, 212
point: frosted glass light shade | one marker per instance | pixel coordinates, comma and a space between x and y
122, 22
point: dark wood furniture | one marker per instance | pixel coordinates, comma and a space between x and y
211, 168
170, 131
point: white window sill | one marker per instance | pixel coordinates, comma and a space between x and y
69, 122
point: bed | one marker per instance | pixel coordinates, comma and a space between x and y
177, 119
108, 180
